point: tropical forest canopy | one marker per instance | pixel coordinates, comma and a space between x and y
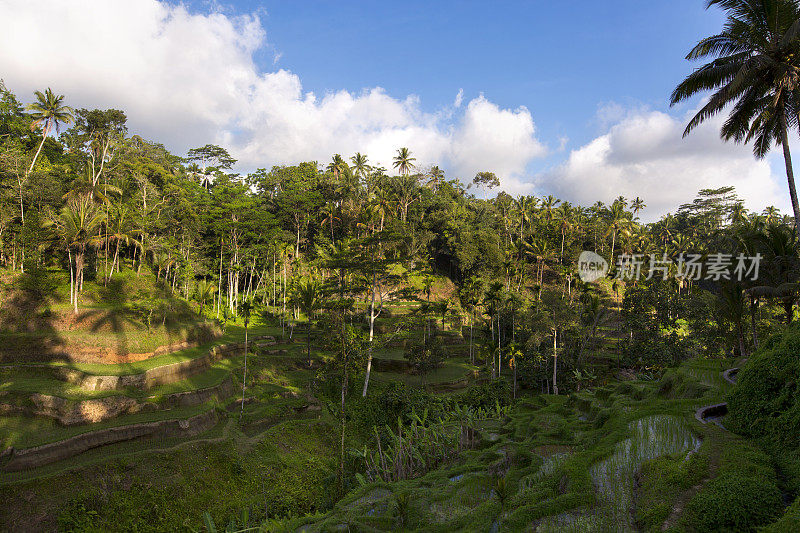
361, 338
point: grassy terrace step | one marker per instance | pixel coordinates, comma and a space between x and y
24, 432
125, 438
32, 395
40, 455
452, 370
24, 382
144, 375
233, 334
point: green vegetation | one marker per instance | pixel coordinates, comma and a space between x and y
377, 350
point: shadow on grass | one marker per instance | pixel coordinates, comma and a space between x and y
28, 331
125, 312
115, 315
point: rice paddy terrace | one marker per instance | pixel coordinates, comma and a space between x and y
66, 418
176, 427
629, 456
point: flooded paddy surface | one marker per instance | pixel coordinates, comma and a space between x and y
613, 477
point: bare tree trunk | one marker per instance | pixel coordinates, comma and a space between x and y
219, 289
371, 336
499, 353
555, 360
283, 314
71, 280
471, 350
515, 378
753, 310
116, 257
244, 379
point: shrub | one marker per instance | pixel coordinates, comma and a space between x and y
766, 399
426, 356
487, 395
789, 522
742, 497
732, 502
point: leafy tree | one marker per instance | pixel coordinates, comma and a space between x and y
754, 73
486, 180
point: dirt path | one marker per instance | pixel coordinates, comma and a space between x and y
687, 495
713, 466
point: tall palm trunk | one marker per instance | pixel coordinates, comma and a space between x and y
308, 343
787, 159
71, 278
471, 352
753, 311
613, 242
78, 278
372, 317
41, 144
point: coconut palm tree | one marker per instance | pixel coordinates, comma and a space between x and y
637, 205
617, 221
539, 249
779, 273
120, 230
771, 214
493, 300
549, 204
563, 216
48, 113
523, 205
755, 72
308, 296
329, 212
403, 161
203, 292
738, 213
77, 224
337, 165
436, 178
470, 298
360, 167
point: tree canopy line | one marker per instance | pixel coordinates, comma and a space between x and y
354, 257
80, 194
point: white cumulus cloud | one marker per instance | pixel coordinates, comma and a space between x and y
186, 78
644, 154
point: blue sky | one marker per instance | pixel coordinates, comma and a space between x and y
568, 98
562, 60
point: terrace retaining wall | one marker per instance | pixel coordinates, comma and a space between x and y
160, 375
28, 458
71, 413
